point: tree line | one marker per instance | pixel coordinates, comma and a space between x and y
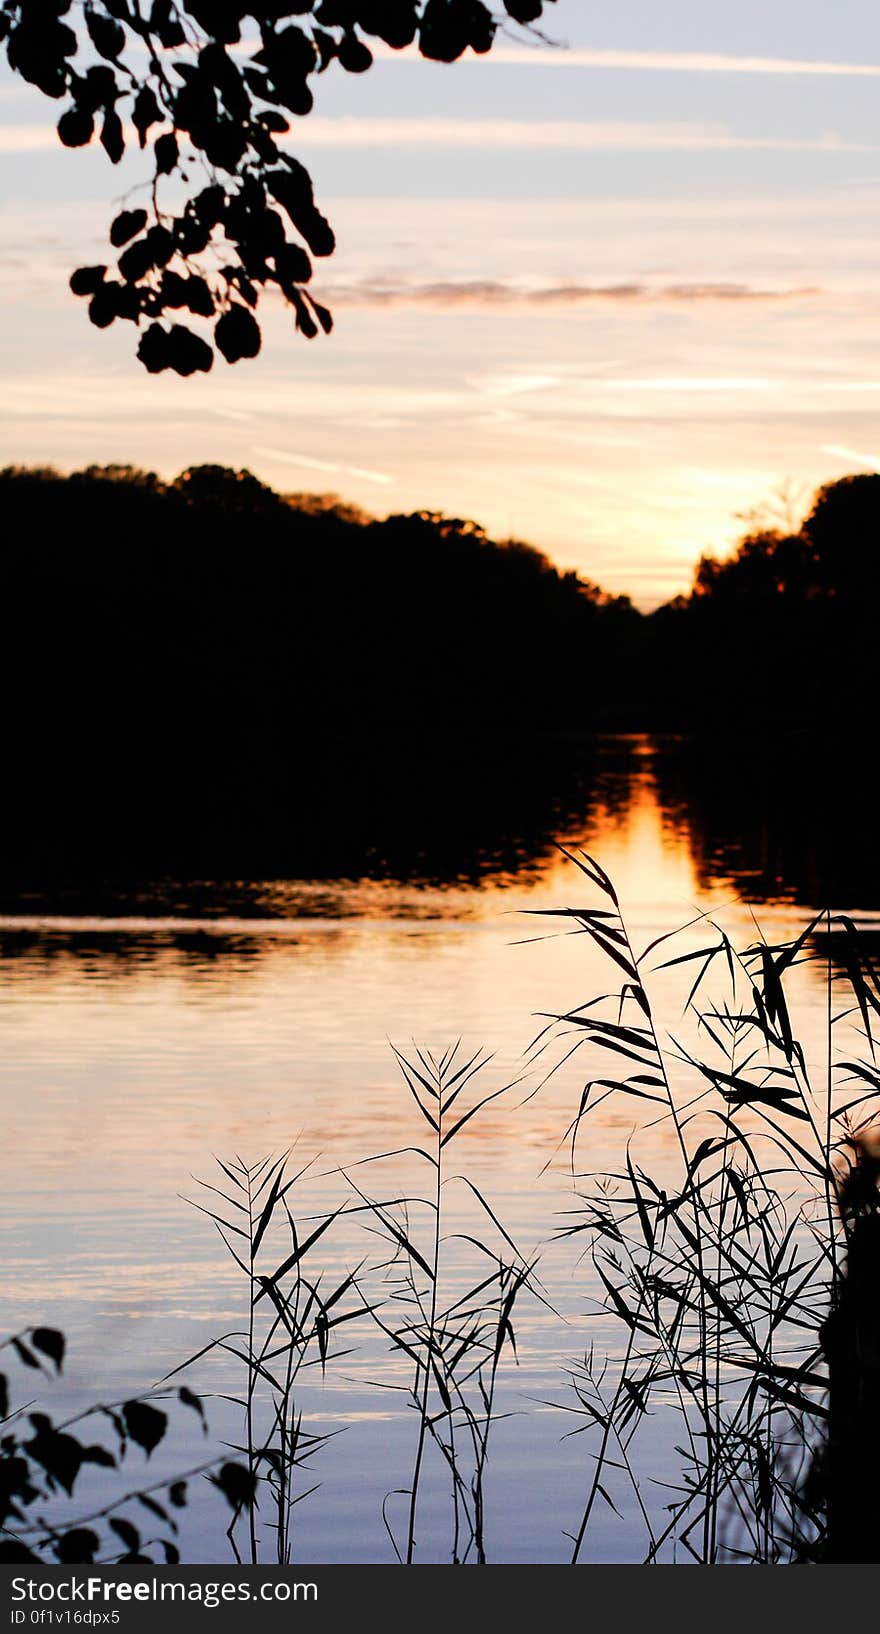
205, 665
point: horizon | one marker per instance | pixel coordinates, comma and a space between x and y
783, 511
555, 269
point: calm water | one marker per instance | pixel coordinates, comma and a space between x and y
136, 1046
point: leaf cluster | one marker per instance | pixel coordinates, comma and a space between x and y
42, 1462
210, 93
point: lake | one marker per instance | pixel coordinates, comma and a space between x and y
143, 1035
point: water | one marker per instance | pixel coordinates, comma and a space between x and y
255, 1017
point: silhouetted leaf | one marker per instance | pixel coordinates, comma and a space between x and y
190, 1399
60, 1454
51, 1342
323, 315
145, 112
238, 1486
176, 348
111, 301
87, 280
96, 1454
237, 335
145, 1424
126, 225
523, 11
167, 154
160, 242
124, 1530
353, 55
112, 137
155, 1508
197, 297
449, 27
76, 128
107, 37
136, 261
77, 1547
297, 1255
188, 353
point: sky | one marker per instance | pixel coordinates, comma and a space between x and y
606, 294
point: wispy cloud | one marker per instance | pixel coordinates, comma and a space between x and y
676, 62
328, 467
852, 455
572, 135
491, 293
514, 385
28, 138
691, 383
619, 136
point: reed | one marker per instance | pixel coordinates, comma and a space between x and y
452, 1340
737, 1276
722, 1269
292, 1317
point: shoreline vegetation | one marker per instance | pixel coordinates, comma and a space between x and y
209, 679
738, 1279
208, 672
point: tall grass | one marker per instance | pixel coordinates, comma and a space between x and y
727, 1400
721, 1270
452, 1338
292, 1317
450, 1332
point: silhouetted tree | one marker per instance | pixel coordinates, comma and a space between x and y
205, 668
782, 631
202, 669
771, 666
842, 532
214, 121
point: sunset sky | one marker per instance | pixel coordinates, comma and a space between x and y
603, 298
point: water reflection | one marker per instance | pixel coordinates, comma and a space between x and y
788, 820
674, 820
150, 1024
784, 824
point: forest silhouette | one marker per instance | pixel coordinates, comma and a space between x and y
205, 676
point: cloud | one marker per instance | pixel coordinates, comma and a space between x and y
852, 456
489, 293
307, 462
28, 138
514, 385
572, 135
613, 136
243, 416
848, 385
677, 62
692, 383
